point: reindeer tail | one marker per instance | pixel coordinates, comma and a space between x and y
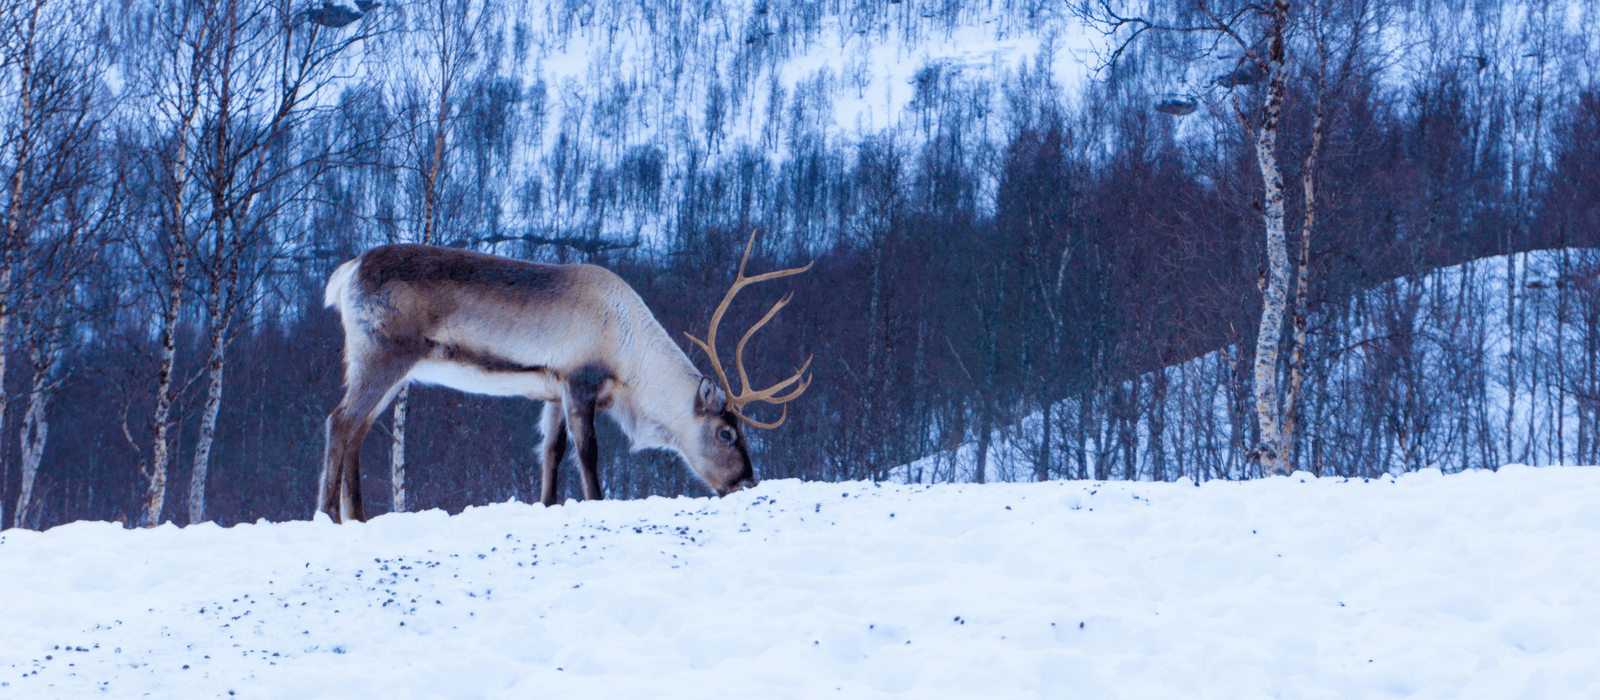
339, 281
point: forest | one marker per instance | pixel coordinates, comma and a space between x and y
1051, 239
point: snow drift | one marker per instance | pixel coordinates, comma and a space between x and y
1481, 584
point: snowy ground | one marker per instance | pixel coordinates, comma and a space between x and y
1480, 585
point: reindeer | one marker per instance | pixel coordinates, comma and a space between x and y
576, 337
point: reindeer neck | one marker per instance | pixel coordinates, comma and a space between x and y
657, 394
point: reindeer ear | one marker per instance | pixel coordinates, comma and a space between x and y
710, 399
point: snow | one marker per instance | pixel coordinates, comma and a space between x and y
890, 68
1478, 585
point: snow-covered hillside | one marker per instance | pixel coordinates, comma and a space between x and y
1495, 365
1479, 585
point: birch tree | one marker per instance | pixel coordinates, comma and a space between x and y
1271, 449
88, 205
1261, 33
178, 40
45, 360
19, 62
263, 76
54, 58
1335, 67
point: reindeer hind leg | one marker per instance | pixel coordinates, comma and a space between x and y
373, 381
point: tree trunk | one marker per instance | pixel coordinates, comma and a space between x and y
1041, 466
5, 328
1085, 405
46, 356
874, 371
213, 407
1512, 359
1275, 288
217, 311
1156, 419
1128, 426
34, 430
397, 452
435, 166
978, 475
156, 474
1297, 359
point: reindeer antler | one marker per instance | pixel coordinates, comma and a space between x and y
745, 396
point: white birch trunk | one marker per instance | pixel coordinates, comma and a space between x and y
397, 452
1275, 290
34, 430
1297, 359
208, 416
216, 312
35, 422
178, 238
156, 475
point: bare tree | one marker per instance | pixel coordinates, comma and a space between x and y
54, 59
1326, 26
87, 207
1263, 36
169, 76
20, 57
1271, 451
264, 75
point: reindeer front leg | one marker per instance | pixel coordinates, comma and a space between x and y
553, 422
580, 419
583, 396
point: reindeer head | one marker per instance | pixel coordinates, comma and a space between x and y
714, 442
724, 459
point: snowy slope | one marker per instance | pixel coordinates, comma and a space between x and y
1198, 393
1477, 585
607, 115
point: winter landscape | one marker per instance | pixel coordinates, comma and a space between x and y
1137, 349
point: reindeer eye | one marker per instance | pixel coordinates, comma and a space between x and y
726, 435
